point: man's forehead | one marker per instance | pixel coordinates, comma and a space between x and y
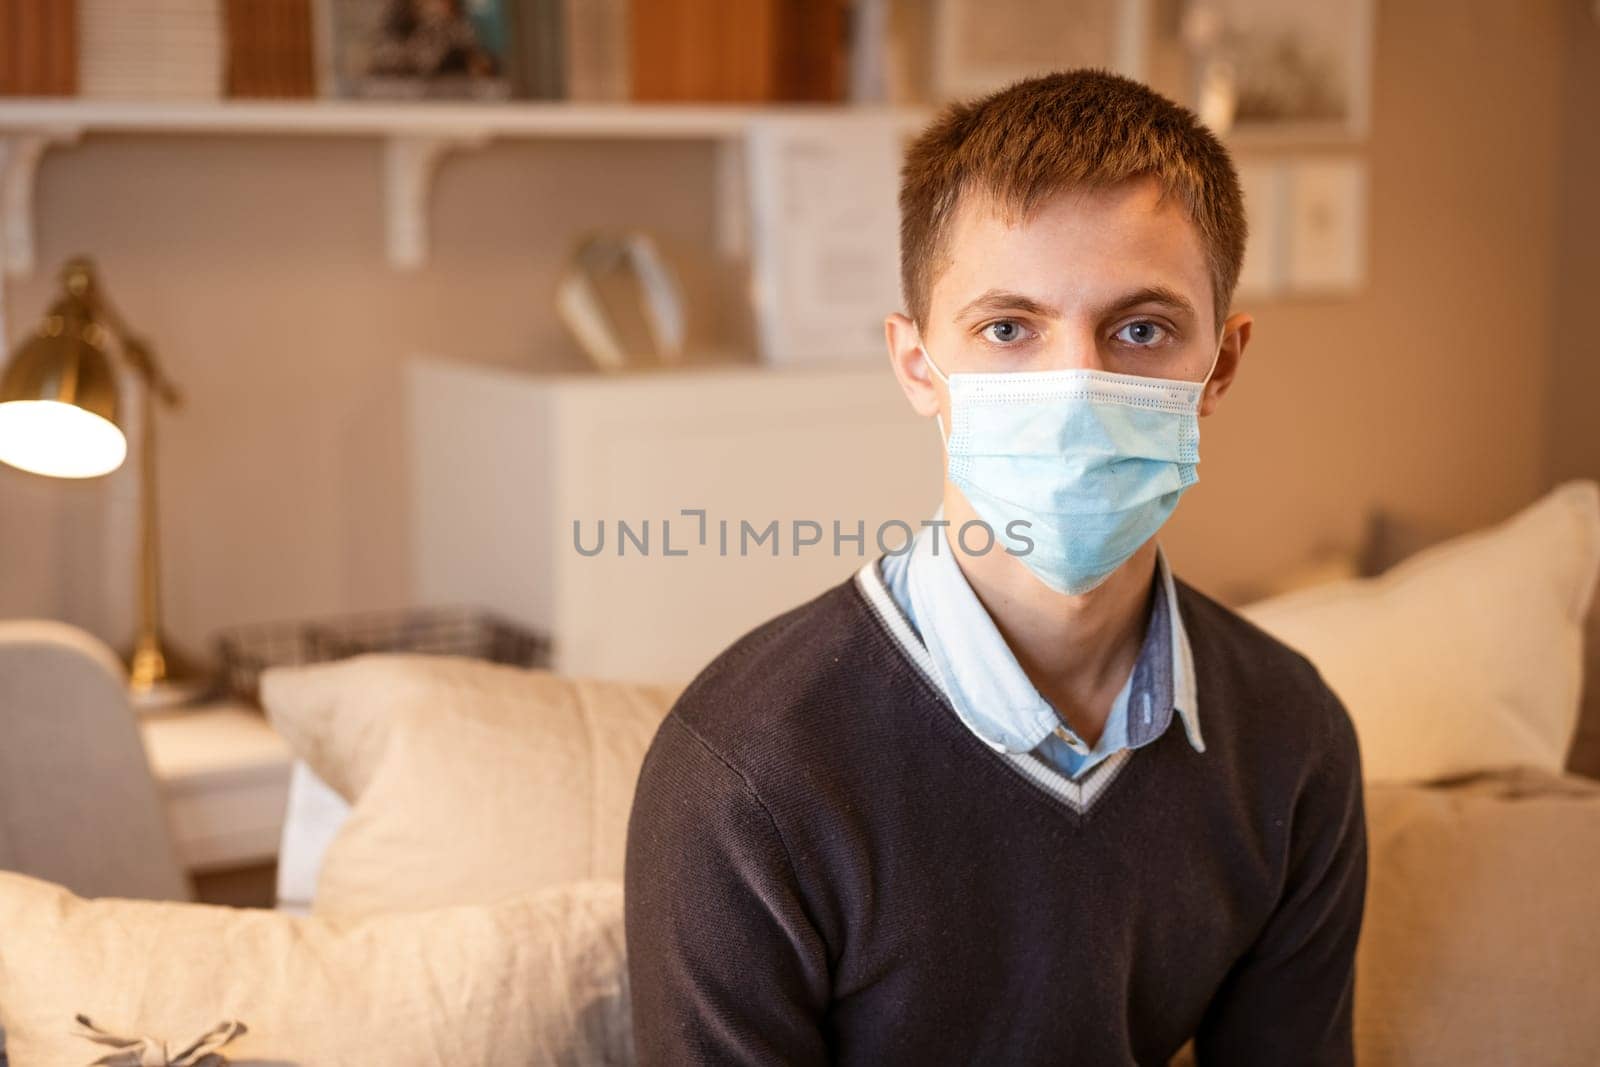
980, 206
1076, 241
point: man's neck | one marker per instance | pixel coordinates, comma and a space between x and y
1077, 650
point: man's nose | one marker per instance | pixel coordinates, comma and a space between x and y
1078, 350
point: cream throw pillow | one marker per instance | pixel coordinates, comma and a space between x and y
468, 781
1465, 657
539, 978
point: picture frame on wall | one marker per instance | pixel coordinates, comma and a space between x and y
983, 45
824, 236
1275, 71
416, 49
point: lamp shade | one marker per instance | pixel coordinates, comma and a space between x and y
58, 399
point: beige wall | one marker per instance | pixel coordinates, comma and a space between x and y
1427, 395
1444, 391
256, 266
1573, 427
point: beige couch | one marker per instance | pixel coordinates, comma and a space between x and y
478, 815
1479, 944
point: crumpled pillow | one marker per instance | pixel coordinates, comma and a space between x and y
468, 781
536, 978
1467, 657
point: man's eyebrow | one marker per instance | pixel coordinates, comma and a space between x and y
1150, 294
1009, 300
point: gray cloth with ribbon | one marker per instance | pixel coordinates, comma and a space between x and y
152, 1052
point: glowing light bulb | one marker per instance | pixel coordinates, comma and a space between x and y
59, 440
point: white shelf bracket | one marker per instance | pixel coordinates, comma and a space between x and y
19, 163
732, 205
409, 163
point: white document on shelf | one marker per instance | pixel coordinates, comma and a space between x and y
825, 236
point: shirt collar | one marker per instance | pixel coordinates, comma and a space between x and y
1185, 696
989, 689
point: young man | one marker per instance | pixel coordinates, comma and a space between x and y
1033, 801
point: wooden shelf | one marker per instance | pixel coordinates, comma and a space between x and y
416, 136
354, 118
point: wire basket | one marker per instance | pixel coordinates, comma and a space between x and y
246, 651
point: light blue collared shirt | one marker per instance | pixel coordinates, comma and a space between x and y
992, 694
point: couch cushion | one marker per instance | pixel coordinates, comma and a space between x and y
538, 978
1480, 937
1466, 657
469, 781
1479, 940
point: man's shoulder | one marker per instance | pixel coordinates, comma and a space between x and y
1222, 630
1260, 686
794, 680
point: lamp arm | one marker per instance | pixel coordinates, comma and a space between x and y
136, 350
142, 358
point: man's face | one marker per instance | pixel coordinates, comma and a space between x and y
1111, 279
1108, 279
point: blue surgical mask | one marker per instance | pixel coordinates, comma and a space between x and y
1091, 461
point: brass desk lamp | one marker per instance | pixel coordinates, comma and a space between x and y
58, 417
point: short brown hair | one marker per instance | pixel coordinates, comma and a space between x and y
1078, 128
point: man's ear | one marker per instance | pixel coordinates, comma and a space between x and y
922, 389
1235, 335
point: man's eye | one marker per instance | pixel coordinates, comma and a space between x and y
1004, 332
1143, 334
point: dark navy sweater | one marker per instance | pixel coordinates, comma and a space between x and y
824, 865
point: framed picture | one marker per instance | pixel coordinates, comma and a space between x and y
408, 49
982, 45
1264, 67
824, 236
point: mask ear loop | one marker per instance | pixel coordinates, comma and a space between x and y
937, 420
1215, 358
